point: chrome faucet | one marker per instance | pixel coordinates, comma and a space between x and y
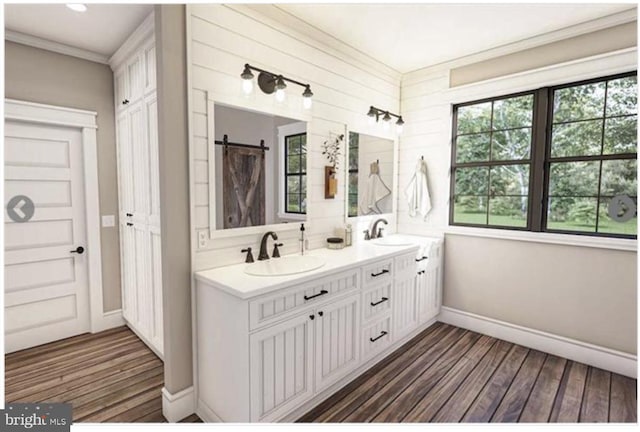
264, 255
375, 231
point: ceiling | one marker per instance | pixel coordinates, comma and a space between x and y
407, 37
101, 29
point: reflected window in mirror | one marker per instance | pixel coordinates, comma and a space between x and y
371, 174
295, 172
353, 174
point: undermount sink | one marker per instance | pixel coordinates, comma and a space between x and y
287, 265
394, 240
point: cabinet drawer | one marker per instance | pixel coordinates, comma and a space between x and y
376, 337
279, 305
377, 301
378, 272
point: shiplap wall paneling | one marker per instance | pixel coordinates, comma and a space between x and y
343, 91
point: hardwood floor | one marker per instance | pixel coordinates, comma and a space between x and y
445, 374
108, 377
448, 374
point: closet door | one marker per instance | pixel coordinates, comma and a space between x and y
143, 289
121, 89
129, 296
135, 78
139, 162
151, 117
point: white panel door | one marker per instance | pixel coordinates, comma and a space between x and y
46, 284
281, 368
337, 337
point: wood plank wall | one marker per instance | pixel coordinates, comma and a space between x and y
223, 39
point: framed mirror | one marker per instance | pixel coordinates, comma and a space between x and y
258, 172
371, 176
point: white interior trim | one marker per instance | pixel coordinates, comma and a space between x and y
601, 357
86, 122
594, 25
178, 406
110, 319
545, 237
138, 37
45, 44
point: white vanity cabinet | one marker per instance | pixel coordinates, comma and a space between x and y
269, 349
429, 281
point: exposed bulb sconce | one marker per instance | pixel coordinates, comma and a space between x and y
375, 114
270, 83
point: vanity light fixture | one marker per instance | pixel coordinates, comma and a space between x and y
376, 114
77, 7
270, 82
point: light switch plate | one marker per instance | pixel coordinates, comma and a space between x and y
108, 221
202, 239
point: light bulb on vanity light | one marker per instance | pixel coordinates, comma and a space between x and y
280, 86
307, 94
399, 126
247, 80
371, 116
386, 121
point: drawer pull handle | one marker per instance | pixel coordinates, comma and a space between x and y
129, 224
384, 299
129, 214
379, 274
421, 259
323, 292
383, 333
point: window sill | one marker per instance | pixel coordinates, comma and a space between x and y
552, 238
292, 216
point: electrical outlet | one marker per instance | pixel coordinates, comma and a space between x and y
202, 239
108, 221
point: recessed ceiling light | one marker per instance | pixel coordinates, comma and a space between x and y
78, 7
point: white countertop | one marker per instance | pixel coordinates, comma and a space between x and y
233, 279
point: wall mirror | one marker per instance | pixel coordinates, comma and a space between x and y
371, 175
258, 176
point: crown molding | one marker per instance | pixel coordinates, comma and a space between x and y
591, 26
45, 44
139, 35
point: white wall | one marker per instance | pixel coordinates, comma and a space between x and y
541, 286
223, 39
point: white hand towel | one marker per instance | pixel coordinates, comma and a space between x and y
375, 190
417, 192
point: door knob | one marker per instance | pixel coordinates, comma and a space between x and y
78, 250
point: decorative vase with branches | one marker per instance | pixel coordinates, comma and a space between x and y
331, 149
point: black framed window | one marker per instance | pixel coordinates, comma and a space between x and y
492, 162
353, 173
558, 159
295, 173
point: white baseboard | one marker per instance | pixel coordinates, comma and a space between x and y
176, 407
593, 355
108, 320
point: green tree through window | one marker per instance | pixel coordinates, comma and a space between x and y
573, 157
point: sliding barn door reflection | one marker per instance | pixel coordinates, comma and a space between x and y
244, 187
